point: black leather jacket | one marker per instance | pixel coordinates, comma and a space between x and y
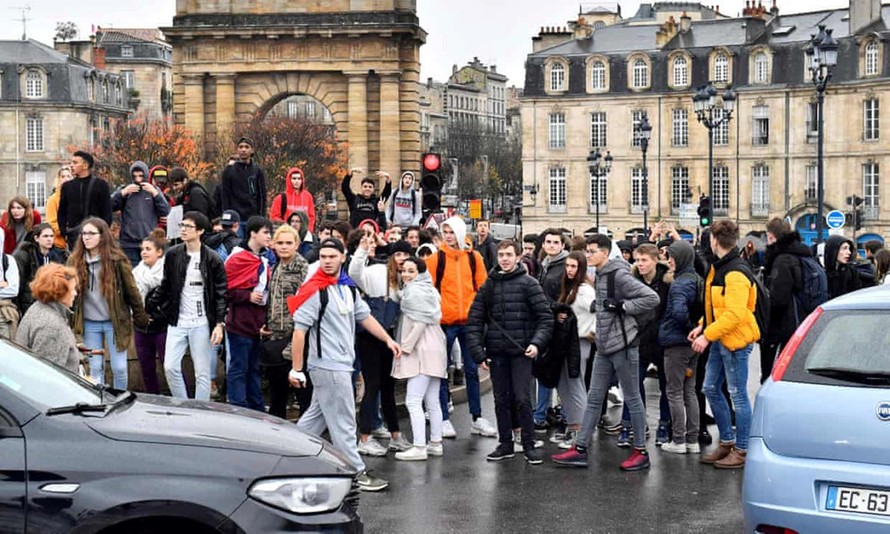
213, 272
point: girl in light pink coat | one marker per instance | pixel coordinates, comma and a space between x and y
423, 357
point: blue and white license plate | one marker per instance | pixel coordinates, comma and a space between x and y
859, 500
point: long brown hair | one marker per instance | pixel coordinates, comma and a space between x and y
569, 290
109, 254
29, 212
882, 264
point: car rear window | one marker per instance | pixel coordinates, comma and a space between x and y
849, 347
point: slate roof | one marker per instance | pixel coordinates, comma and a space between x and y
30, 52
128, 35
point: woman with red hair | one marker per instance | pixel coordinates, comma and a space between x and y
44, 328
17, 222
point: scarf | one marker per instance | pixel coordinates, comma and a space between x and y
420, 301
148, 278
243, 270
318, 282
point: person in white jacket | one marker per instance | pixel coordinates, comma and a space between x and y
577, 293
9, 291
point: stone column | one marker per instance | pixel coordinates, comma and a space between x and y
358, 119
194, 103
225, 104
390, 116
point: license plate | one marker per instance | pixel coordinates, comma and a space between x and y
859, 500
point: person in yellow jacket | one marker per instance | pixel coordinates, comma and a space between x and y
52, 207
458, 274
730, 327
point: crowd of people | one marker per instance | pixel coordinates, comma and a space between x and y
334, 313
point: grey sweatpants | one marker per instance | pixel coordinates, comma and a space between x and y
679, 371
571, 390
333, 407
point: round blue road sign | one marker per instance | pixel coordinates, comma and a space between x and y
835, 219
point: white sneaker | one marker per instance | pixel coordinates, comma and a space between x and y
412, 454
674, 447
434, 448
517, 443
692, 448
482, 427
448, 430
372, 447
380, 433
568, 440
450, 406
400, 444
615, 396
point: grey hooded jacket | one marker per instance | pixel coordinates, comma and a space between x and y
637, 297
139, 211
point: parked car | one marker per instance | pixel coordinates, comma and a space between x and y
76, 457
818, 459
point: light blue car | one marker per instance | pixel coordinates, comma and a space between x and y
819, 454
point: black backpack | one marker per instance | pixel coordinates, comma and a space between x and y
323, 299
814, 287
440, 270
761, 307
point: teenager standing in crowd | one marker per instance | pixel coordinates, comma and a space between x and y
365, 205
142, 205
34, 253
108, 301
83, 197
52, 206
17, 223
151, 340
243, 184
404, 205
44, 328
296, 197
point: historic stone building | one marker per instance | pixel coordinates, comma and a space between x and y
49, 103
234, 60
588, 84
144, 60
433, 119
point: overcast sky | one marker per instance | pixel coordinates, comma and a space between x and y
495, 31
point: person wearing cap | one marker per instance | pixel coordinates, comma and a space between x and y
224, 241
330, 355
458, 274
365, 205
296, 197
141, 205
243, 187
404, 205
81, 198
189, 194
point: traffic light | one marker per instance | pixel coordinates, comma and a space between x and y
704, 211
857, 219
431, 183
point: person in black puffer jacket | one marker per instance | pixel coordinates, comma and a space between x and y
783, 275
842, 275
520, 324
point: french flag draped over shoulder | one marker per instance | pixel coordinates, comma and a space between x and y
243, 270
318, 282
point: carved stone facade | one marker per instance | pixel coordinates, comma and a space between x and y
234, 59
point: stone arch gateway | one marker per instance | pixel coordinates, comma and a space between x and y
233, 59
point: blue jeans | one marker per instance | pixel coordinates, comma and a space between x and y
543, 403
243, 377
732, 366
471, 372
94, 333
197, 339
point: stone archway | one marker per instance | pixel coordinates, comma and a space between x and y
359, 58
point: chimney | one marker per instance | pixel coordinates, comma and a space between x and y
774, 11
453, 70
863, 13
494, 69
685, 22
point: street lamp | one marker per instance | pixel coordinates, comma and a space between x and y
599, 168
704, 102
645, 132
821, 56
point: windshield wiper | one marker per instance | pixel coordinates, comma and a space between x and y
873, 378
124, 398
80, 407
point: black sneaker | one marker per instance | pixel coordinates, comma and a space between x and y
503, 452
541, 428
533, 456
704, 438
458, 377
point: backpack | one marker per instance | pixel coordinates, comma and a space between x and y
440, 270
697, 309
761, 307
323, 305
814, 287
283, 205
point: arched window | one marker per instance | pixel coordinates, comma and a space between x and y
871, 59
761, 68
557, 77
34, 84
105, 91
598, 75
721, 68
681, 72
641, 74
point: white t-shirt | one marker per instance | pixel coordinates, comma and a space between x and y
191, 306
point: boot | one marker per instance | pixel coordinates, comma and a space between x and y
735, 460
721, 452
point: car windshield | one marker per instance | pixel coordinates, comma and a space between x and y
852, 346
41, 382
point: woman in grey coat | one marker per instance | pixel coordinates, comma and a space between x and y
45, 327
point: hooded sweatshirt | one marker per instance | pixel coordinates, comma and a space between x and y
676, 322
404, 205
292, 200
139, 211
842, 278
458, 288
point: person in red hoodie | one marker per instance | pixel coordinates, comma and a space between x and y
294, 198
17, 223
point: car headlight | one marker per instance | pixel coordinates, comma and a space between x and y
302, 495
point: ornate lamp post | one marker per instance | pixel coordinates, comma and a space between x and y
822, 56
706, 110
599, 168
645, 132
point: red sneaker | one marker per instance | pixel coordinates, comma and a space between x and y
637, 461
572, 457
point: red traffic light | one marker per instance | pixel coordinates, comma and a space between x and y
431, 162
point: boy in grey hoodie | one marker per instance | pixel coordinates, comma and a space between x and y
141, 205
404, 205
